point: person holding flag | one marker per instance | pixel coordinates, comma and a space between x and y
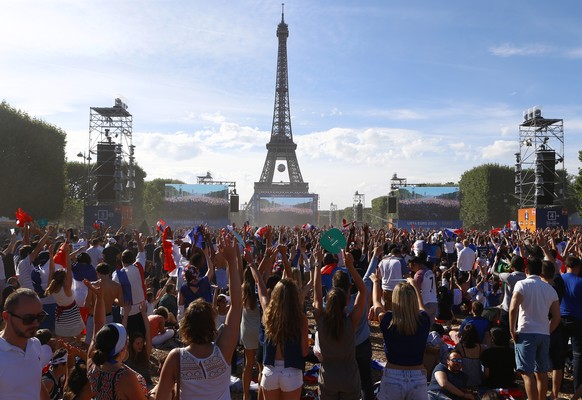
132, 281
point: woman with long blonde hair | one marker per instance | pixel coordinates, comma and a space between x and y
286, 331
405, 329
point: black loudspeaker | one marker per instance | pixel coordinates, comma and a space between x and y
104, 171
545, 177
234, 203
391, 205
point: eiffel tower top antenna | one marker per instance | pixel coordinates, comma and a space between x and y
282, 12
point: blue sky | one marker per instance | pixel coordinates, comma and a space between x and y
423, 89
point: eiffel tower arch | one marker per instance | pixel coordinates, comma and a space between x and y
281, 196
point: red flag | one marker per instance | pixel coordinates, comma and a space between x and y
22, 218
168, 249
62, 254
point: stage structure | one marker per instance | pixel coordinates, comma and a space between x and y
333, 214
541, 155
423, 205
111, 178
281, 196
358, 207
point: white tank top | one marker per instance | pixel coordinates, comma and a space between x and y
204, 378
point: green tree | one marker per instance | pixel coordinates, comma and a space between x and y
576, 187
137, 201
77, 180
487, 196
32, 165
379, 212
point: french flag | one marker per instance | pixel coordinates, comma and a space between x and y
161, 225
452, 233
260, 233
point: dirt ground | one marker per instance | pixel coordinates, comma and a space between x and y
377, 354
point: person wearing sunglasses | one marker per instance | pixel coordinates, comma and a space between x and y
448, 381
20, 351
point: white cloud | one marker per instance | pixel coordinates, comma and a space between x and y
215, 118
509, 50
499, 150
395, 114
574, 53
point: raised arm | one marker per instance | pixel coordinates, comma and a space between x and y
282, 249
417, 291
41, 243
258, 277
67, 287
98, 312
317, 291
229, 336
360, 302
377, 311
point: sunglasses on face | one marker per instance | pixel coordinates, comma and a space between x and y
456, 360
29, 319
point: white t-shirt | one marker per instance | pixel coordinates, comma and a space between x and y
391, 272
20, 371
426, 280
418, 246
96, 254
538, 297
466, 259
23, 271
449, 247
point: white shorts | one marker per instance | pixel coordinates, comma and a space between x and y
278, 377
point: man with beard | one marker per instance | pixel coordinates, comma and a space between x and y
20, 364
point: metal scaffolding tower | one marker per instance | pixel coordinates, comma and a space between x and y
358, 207
111, 178
538, 179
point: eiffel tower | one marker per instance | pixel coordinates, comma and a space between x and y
281, 146
271, 189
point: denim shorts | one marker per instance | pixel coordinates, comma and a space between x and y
403, 384
532, 352
278, 377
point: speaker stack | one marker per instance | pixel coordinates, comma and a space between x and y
104, 173
234, 203
545, 177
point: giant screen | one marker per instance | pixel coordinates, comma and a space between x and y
192, 204
429, 206
287, 210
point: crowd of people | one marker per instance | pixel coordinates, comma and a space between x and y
465, 316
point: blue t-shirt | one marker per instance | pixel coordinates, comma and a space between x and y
203, 292
405, 350
482, 325
84, 271
570, 305
458, 379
